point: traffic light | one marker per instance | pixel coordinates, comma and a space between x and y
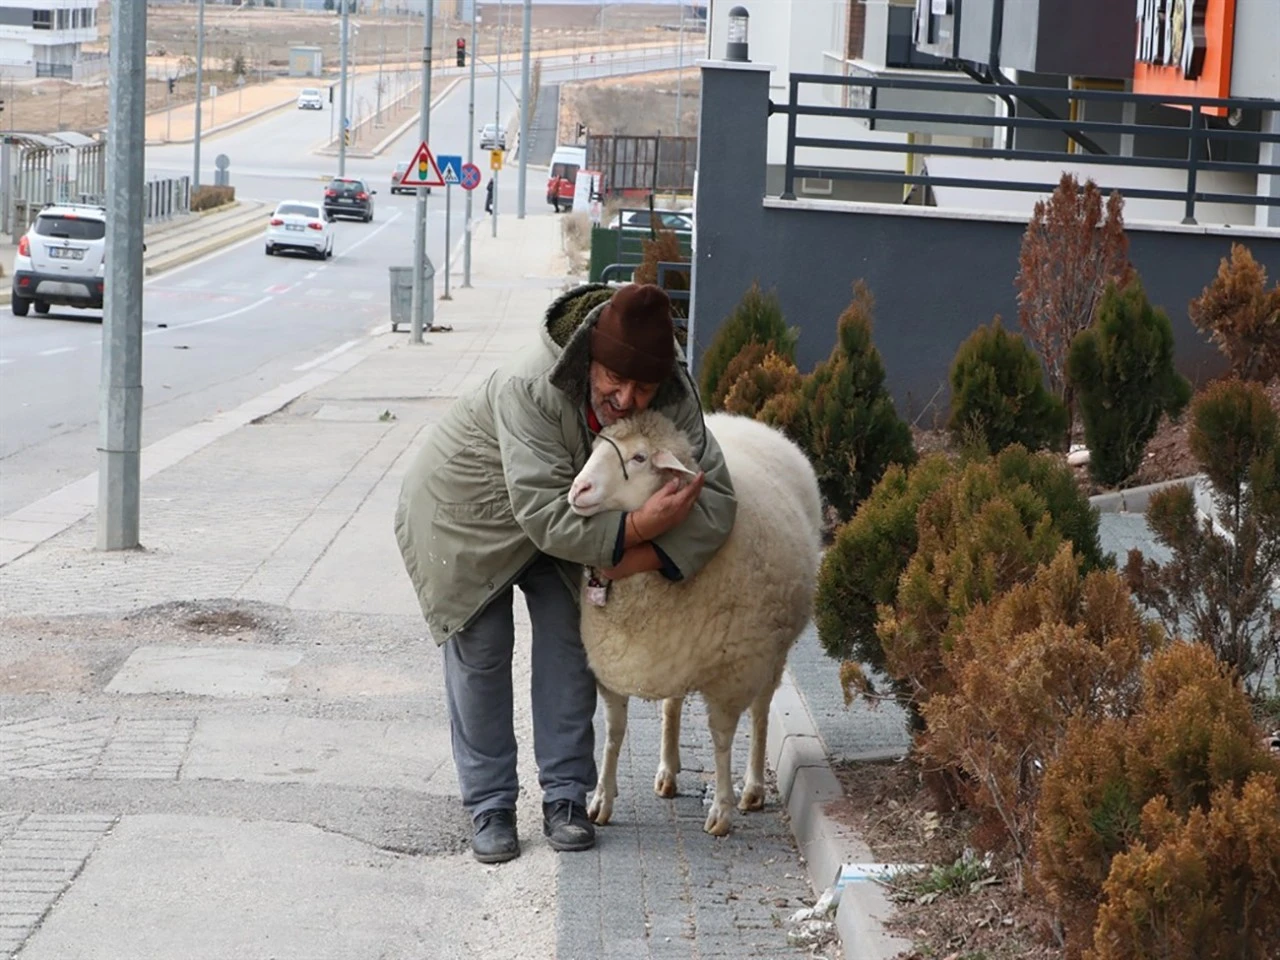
1, 106
331, 93
462, 52
171, 84
582, 130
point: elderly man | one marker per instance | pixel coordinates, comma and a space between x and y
483, 509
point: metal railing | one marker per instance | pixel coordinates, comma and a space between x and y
1201, 129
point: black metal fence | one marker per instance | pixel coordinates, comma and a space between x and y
1205, 124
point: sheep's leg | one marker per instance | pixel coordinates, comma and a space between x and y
753, 790
723, 723
664, 784
600, 807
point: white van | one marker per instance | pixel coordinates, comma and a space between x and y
565, 164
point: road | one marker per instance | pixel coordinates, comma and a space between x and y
236, 324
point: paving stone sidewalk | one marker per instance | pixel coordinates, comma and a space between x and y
194, 733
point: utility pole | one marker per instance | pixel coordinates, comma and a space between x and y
680, 68
497, 117
420, 295
524, 106
471, 144
195, 179
342, 126
120, 397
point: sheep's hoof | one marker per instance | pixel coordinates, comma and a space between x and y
719, 820
752, 798
664, 784
600, 808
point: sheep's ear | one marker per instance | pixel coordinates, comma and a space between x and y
666, 460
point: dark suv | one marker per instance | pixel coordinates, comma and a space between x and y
349, 197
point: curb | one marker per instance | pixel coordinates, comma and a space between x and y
330, 149
1135, 499
185, 254
806, 785
230, 125
197, 250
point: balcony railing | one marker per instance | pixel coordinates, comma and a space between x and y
1201, 129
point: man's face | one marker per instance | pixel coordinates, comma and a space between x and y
614, 398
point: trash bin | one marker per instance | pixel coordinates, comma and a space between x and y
402, 296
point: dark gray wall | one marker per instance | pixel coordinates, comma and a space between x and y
934, 279
1083, 37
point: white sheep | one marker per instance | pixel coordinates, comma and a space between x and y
724, 632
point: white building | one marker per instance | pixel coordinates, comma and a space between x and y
43, 38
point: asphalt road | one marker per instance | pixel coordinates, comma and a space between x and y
236, 324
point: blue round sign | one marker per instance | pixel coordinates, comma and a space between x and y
470, 176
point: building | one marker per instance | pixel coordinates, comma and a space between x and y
43, 38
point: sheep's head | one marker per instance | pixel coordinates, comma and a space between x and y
629, 462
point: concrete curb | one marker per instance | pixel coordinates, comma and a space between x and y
198, 247
230, 125
1135, 499
330, 149
25, 529
807, 785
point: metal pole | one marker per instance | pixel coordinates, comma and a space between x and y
448, 205
195, 179
342, 121
524, 106
120, 398
471, 145
497, 117
420, 298
680, 69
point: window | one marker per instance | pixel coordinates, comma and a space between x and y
64, 19
298, 209
42, 19
71, 228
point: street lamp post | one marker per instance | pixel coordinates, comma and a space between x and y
195, 178
344, 119
471, 142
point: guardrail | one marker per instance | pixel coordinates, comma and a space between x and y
1210, 129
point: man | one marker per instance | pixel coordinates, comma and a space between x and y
483, 508
488, 197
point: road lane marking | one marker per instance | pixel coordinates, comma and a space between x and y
168, 274
359, 243
214, 319
279, 288
325, 358
55, 351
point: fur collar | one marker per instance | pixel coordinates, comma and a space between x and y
571, 373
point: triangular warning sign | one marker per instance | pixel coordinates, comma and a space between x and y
423, 171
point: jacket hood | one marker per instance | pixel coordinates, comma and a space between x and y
567, 331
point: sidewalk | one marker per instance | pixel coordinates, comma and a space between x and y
232, 742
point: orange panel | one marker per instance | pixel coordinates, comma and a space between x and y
1215, 77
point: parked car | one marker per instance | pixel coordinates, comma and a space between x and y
641, 220
302, 226
60, 260
349, 197
310, 99
492, 138
396, 174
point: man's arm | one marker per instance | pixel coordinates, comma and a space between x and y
538, 472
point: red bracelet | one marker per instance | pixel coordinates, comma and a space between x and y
636, 527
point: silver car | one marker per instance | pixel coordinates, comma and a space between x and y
60, 260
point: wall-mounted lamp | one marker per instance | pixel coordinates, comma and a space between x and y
736, 48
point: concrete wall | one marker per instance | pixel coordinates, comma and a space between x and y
936, 275
1255, 65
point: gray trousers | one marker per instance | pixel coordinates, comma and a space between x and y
477, 673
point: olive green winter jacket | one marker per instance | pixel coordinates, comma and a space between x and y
486, 492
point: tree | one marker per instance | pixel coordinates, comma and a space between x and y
998, 394
851, 428
664, 248
1070, 251
1122, 370
756, 319
1242, 316
1217, 586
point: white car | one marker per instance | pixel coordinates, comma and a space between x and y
298, 225
491, 138
310, 99
60, 260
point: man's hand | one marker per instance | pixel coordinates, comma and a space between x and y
665, 510
635, 560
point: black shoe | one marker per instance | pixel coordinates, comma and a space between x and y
567, 826
495, 840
